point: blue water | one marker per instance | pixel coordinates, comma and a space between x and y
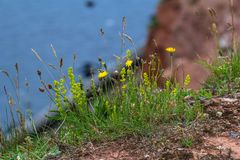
72, 28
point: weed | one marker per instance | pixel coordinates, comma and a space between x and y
186, 142
133, 106
225, 75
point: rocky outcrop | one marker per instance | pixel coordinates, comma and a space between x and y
188, 26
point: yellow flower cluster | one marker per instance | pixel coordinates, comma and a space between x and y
124, 86
60, 92
146, 80
168, 84
175, 91
122, 73
187, 80
78, 93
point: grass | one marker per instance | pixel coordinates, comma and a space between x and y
186, 142
225, 75
32, 148
134, 105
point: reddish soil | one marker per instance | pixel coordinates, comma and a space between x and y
186, 25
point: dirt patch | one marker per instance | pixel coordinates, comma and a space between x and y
221, 145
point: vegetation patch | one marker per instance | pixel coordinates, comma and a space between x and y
134, 105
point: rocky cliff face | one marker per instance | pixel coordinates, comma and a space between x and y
188, 26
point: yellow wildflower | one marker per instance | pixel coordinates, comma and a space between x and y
168, 83
129, 63
171, 50
175, 91
124, 86
122, 73
187, 80
102, 74
146, 80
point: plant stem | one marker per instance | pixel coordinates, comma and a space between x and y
233, 26
171, 66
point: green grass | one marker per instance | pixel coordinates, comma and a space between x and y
225, 78
32, 148
134, 105
186, 142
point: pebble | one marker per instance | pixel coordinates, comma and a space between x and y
146, 156
206, 115
234, 134
228, 100
219, 114
235, 112
237, 95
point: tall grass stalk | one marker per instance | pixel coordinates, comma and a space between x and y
231, 6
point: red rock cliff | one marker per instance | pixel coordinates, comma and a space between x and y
186, 25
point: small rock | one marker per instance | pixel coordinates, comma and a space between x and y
233, 134
219, 114
220, 148
237, 95
203, 100
229, 100
89, 145
188, 98
206, 115
235, 112
146, 156
180, 149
